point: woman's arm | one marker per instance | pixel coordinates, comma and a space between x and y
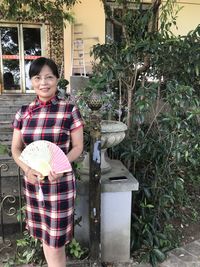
77, 144
17, 147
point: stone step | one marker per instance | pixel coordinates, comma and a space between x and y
5, 124
12, 95
6, 128
5, 158
6, 131
6, 136
17, 97
14, 102
8, 108
9, 104
8, 116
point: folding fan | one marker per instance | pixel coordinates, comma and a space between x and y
44, 156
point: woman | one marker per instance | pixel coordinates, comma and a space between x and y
55, 120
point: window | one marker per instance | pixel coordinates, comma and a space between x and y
19, 45
114, 31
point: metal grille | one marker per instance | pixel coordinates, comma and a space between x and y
9, 206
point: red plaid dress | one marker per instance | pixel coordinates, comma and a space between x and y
50, 220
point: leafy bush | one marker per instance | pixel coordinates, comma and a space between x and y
157, 76
162, 153
29, 250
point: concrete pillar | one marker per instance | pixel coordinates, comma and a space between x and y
116, 198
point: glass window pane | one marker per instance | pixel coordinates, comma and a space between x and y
32, 42
109, 31
32, 50
9, 41
11, 74
10, 58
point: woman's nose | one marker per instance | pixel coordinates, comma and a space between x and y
43, 80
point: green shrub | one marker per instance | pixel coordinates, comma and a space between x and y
162, 153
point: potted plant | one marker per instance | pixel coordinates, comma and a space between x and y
99, 95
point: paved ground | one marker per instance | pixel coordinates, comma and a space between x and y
187, 256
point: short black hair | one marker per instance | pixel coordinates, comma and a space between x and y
39, 63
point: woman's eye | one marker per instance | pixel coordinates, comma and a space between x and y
50, 77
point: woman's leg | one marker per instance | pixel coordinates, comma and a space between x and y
55, 257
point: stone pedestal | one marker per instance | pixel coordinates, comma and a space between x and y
116, 197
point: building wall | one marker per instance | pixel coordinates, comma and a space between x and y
90, 14
188, 17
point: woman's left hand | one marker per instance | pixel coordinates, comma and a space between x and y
53, 177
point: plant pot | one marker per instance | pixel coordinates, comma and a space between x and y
112, 133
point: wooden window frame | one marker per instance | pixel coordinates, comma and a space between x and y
20, 27
113, 5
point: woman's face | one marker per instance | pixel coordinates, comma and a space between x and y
45, 84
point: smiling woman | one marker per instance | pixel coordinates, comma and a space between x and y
55, 120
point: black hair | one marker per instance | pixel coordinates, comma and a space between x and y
39, 63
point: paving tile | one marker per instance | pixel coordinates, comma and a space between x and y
184, 255
197, 241
141, 265
193, 248
194, 264
172, 265
172, 261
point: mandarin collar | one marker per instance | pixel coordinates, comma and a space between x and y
54, 100
37, 104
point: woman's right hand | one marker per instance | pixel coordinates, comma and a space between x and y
32, 175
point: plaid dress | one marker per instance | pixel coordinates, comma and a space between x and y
50, 220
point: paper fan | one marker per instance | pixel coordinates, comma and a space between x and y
44, 156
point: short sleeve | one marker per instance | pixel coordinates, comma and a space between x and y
76, 119
17, 122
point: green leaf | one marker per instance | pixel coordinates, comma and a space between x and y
159, 254
197, 70
110, 75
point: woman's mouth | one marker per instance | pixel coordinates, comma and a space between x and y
44, 89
